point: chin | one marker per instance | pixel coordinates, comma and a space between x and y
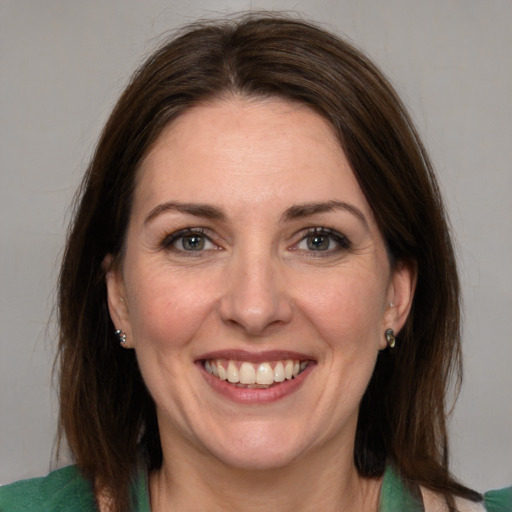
259, 448
258, 460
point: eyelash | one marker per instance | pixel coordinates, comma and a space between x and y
169, 241
341, 241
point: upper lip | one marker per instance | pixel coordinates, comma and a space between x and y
256, 356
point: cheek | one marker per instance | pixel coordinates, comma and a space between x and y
166, 313
165, 309
348, 312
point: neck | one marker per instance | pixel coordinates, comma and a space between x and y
322, 482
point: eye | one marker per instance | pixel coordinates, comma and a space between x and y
323, 240
189, 240
192, 242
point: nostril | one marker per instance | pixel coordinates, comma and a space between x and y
255, 319
254, 297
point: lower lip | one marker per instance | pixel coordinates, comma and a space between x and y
256, 395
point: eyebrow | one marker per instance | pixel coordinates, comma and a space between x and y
308, 209
294, 212
196, 209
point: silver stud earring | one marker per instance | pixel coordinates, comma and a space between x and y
121, 336
390, 338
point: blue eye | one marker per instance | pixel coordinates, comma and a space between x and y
318, 242
189, 240
323, 240
192, 242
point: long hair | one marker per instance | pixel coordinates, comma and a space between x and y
106, 413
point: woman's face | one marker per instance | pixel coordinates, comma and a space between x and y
252, 255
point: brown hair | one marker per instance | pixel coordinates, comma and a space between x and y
106, 412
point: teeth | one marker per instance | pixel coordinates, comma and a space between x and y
265, 374
279, 372
221, 371
254, 376
248, 374
233, 373
288, 369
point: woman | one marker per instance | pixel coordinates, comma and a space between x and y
261, 231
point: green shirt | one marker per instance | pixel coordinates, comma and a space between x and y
65, 490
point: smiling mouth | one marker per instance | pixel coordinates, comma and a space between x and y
262, 375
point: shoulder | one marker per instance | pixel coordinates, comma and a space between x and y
434, 502
494, 501
396, 495
62, 490
499, 500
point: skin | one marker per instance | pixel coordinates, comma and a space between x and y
258, 284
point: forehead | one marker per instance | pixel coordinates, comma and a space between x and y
251, 150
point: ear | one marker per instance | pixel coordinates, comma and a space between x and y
400, 296
117, 306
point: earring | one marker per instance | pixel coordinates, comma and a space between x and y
121, 336
390, 338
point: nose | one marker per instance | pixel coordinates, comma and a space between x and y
255, 299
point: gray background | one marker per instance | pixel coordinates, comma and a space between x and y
63, 64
